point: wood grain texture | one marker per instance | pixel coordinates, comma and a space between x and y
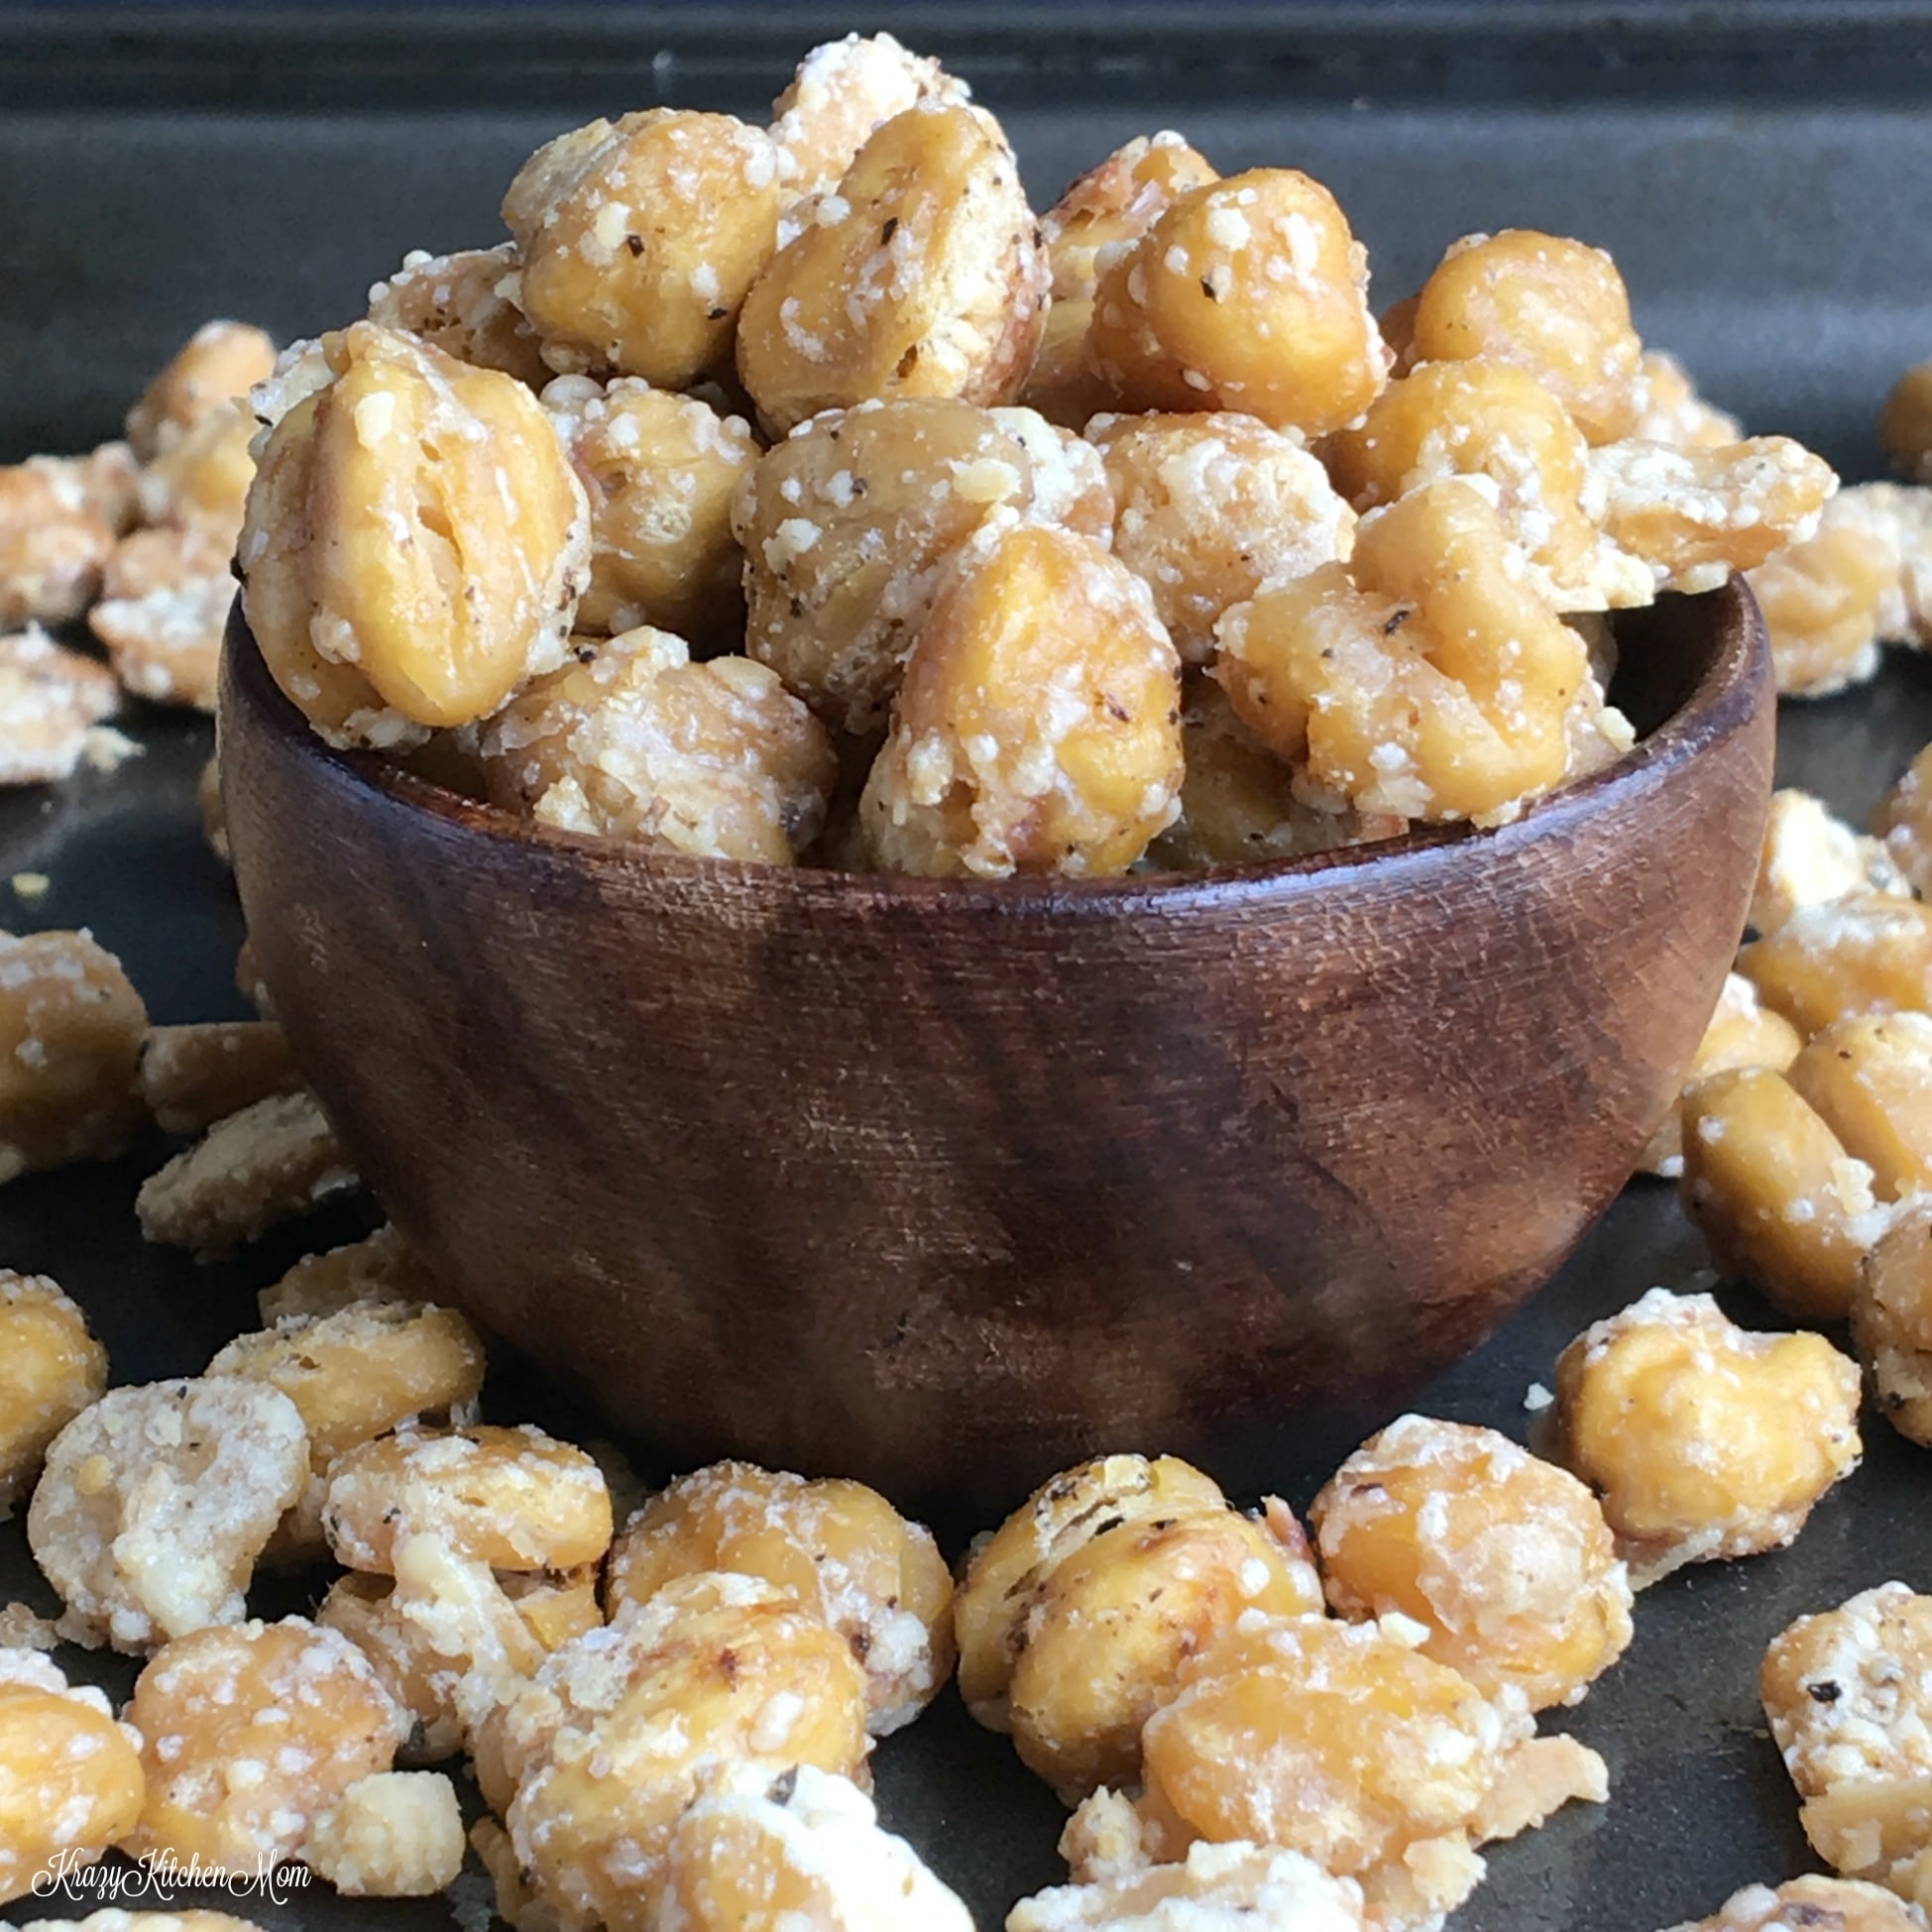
943, 1185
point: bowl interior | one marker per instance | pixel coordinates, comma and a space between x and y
1687, 671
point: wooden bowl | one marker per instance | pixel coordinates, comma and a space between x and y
945, 1186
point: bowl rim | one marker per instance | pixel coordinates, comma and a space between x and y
1725, 696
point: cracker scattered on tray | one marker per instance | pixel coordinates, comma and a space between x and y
251, 1171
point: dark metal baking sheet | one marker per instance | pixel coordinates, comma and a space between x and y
1758, 170
1761, 174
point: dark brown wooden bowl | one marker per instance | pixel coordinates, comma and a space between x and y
944, 1186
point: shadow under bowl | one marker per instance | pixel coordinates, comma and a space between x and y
945, 1186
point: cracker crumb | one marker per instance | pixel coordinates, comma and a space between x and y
395, 1835
23, 1628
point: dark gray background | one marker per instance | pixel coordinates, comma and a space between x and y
1761, 174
